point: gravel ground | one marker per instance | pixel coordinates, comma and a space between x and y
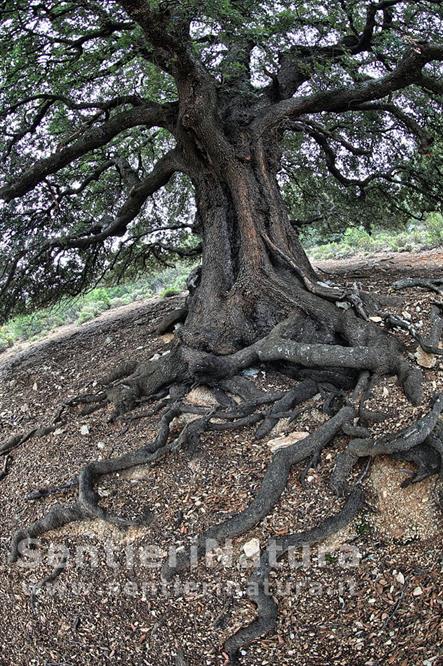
371, 595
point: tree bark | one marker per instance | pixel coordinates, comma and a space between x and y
247, 283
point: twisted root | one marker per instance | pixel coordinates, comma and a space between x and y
257, 587
405, 440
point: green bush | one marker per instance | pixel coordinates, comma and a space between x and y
416, 236
91, 310
434, 227
168, 281
171, 280
168, 292
5, 342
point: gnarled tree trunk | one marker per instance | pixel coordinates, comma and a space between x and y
250, 255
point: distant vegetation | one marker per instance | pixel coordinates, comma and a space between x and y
169, 281
413, 237
164, 282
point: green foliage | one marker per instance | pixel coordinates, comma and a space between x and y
68, 68
165, 282
434, 227
169, 291
363, 527
411, 238
330, 558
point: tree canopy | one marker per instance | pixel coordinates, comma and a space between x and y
93, 114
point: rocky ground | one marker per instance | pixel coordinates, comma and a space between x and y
372, 595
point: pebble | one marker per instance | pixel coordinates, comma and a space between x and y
252, 548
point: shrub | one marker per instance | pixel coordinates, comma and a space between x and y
168, 292
434, 227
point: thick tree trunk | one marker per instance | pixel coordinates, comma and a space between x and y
247, 283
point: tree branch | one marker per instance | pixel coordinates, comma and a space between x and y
407, 72
408, 121
156, 179
151, 116
297, 65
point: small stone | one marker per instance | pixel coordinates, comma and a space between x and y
101, 445
167, 337
84, 430
34, 386
417, 591
252, 548
182, 420
287, 440
424, 359
281, 428
400, 578
376, 320
250, 372
194, 465
108, 340
201, 395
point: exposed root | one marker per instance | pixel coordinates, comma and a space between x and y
53, 490
430, 344
57, 517
405, 440
258, 584
369, 348
300, 393
370, 358
41, 431
269, 493
17, 440
58, 570
88, 498
433, 285
4, 471
362, 302
145, 380
426, 459
123, 370
88, 505
171, 320
345, 352
436, 328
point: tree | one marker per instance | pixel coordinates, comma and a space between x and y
115, 114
